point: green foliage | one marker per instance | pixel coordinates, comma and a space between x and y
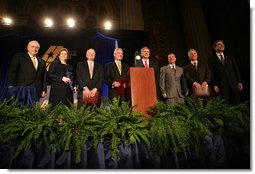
118, 123
178, 128
8, 112
200, 119
29, 126
168, 131
76, 127
236, 120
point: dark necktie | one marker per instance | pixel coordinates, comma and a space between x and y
195, 65
222, 59
173, 68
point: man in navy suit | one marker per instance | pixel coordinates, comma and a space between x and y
89, 76
226, 79
147, 63
26, 69
197, 73
116, 71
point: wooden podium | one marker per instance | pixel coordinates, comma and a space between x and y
143, 89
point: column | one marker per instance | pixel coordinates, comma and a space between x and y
131, 16
195, 29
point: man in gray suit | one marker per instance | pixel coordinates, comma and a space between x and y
172, 82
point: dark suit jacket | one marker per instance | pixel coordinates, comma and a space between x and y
200, 75
112, 74
152, 64
23, 73
60, 91
224, 74
83, 77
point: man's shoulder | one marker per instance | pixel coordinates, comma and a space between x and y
212, 57
81, 62
20, 54
109, 64
98, 65
187, 66
178, 67
164, 67
124, 64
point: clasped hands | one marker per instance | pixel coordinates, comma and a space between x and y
198, 86
117, 84
90, 93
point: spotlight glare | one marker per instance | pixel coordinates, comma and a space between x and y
48, 22
107, 25
7, 21
70, 22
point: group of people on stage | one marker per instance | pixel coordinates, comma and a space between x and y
220, 74
173, 82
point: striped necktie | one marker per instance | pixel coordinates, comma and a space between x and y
119, 66
34, 62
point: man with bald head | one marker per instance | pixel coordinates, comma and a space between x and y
89, 77
27, 69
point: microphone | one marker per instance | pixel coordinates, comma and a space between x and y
138, 58
137, 55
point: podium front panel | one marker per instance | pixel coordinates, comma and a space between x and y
143, 89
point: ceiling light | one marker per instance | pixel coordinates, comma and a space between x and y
48, 22
7, 21
108, 25
70, 22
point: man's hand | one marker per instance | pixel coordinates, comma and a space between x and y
93, 92
74, 89
216, 89
116, 84
43, 94
197, 85
240, 86
87, 91
204, 84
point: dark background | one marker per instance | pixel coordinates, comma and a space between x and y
169, 26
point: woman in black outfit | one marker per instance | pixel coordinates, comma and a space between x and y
61, 80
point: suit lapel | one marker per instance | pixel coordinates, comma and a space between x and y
86, 68
31, 63
117, 69
39, 64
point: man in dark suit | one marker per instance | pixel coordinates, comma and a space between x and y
116, 75
26, 69
89, 77
196, 73
147, 63
226, 79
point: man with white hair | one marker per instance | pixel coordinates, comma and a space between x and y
27, 69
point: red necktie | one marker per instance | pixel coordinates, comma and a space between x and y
146, 64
